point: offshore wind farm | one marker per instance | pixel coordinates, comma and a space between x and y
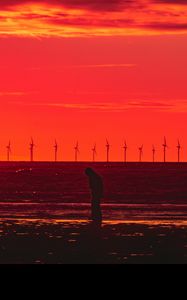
95, 155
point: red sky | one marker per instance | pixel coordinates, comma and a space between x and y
105, 69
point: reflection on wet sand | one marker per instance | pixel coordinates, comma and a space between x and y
78, 241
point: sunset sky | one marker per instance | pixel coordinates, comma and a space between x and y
88, 70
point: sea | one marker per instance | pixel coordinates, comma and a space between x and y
132, 191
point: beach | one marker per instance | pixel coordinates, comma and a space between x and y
45, 214
81, 242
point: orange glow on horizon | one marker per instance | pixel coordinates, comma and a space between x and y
89, 71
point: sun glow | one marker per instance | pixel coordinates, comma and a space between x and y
90, 70
45, 20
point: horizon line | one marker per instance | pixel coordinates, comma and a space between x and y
91, 162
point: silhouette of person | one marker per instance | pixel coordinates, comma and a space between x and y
96, 187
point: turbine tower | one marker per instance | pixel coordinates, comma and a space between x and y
8, 147
107, 150
76, 151
165, 146
125, 151
32, 145
153, 150
179, 150
140, 153
94, 151
56, 150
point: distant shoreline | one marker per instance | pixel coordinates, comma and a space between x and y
94, 163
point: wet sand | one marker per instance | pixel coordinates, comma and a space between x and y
44, 211
28, 241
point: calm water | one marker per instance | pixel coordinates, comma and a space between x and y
133, 191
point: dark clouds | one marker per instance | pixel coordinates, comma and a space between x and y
100, 5
101, 17
173, 2
103, 5
166, 26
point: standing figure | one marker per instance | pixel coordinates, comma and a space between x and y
32, 145
96, 187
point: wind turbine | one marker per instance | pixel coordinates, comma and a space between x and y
125, 151
140, 153
107, 150
9, 151
153, 150
165, 146
76, 151
94, 151
56, 150
179, 150
32, 145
